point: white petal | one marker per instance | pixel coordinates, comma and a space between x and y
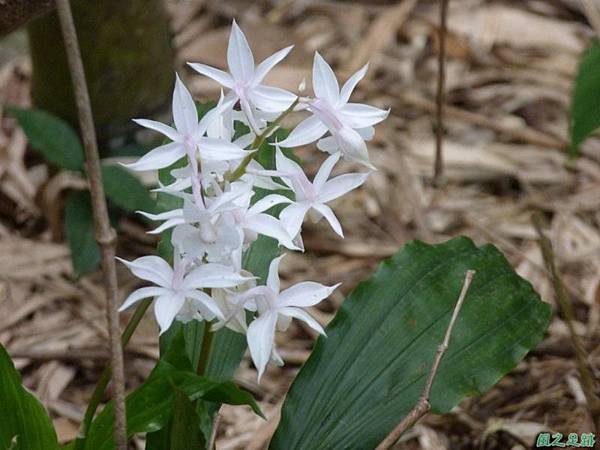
185, 114
167, 224
304, 316
271, 99
215, 113
358, 115
270, 226
273, 277
212, 149
221, 77
268, 202
207, 302
140, 294
160, 157
166, 308
304, 294
325, 83
327, 212
307, 131
285, 164
160, 127
151, 268
293, 216
340, 185
353, 146
213, 276
366, 133
324, 171
329, 145
239, 55
349, 85
264, 67
261, 332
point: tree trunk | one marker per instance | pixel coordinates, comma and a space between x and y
128, 60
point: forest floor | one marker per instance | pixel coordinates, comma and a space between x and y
510, 71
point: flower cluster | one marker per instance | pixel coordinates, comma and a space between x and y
220, 217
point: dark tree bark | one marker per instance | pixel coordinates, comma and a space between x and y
128, 60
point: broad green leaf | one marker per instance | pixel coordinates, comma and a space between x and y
51, 136
79, 230
371, 368
24, 423
585, 102
185, 430
150, 407
125, 189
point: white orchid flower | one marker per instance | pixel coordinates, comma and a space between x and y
187, 136
176, 290
349, 124
313, 196
245, 80
276, 309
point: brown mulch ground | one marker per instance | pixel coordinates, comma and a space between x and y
509, 77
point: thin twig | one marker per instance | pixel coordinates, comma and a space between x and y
423, 406
438, 170
588, 381
214, 431
105, 235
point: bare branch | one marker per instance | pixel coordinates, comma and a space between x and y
438, 170
105, 235
423, 406
587, 378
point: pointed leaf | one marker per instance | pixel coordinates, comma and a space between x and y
79, 230
369, 371
125, 190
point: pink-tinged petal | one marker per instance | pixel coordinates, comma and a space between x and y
349, 85
213, 276
166, 307
325, 83
221, 77
239, 55
163, 129
159, 158
267, 203
273, 277
185, 114
302, 295
293, 216
261, 332
264, 67
358, 115
324, 171
140, 294
338, 186
270, 226
271, 99
213, 149
327, 212
305, 317
207, 303
307, 131
151, 268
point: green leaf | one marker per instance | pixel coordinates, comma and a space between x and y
151, 406
79, 229
185, 430
585, 102
51, 136
371, 368
125, 189
25, 424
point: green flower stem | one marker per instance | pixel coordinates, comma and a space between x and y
258, 141
98, 394
207, 340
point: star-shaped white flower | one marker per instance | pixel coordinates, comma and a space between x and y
312, 197
350, 124
187, 136
276, 309
245, 80
179, 291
